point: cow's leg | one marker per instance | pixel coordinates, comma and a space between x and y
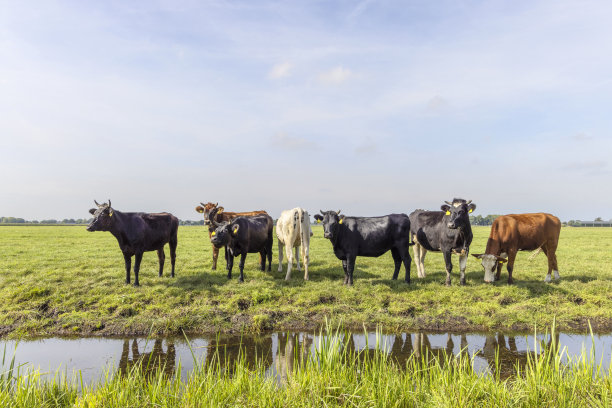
500, 266
289, 254
215, 256
297, 258
305, 259
162, 258
510, 266
552, 263
230, 265
241, 266
262, 260
280, 256
345, 267
173, 242
225, 252
397, 259
268, 254
137, 260
350, 267
128, 266
462, 265
405, 256
417, 257
449, 266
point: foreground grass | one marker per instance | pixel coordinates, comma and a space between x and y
334, 375
65, 280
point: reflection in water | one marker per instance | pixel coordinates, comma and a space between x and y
149, 362
280, 352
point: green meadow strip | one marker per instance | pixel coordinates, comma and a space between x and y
334, 375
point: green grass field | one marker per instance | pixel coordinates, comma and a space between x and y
65, 280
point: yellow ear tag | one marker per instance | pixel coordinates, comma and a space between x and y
318, 221
235, 230
110, 214
470, 210
213, 234
341, 219
501, 262
448, 213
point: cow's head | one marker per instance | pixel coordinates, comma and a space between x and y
103, 217
489, 263
222, 231
331, 221
457, 213
206, 209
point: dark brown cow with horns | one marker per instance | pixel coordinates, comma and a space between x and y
207, 209
520, 232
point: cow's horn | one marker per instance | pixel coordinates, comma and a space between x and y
96, 203
109, 204
203, 205
322, 212
448, 203
338, 212
211, 217
468, 203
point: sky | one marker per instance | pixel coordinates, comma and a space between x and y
370, 107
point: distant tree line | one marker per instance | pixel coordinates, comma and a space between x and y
72, 221
480, 220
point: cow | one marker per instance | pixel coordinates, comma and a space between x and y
206, 209
293, 231
137, 232
244, 235
367, 236
520, 232
447, 231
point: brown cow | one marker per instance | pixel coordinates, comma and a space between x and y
520, 232
221, 216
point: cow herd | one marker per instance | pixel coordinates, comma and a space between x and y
447, 231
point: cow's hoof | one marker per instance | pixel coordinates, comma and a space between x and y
462, 282
136, 284
240, 280
305, 278
214, 268
547, 279
510, 281
447, 283
407, 281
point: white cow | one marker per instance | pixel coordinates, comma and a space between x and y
293, 231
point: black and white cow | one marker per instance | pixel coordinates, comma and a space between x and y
137, 233
447, 231
368, 236
244, 235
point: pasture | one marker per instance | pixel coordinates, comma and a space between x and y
64, 280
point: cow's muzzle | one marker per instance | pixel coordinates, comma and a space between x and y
327, 235
451, 225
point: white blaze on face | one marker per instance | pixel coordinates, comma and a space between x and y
489, 262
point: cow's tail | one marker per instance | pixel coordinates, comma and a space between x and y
535, 253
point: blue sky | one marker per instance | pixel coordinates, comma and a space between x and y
371, 107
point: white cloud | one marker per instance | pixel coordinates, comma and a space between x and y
336, 75
281, 70
289, 142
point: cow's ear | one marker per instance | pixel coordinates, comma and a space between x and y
200, 209
235, 229
92, 211
318, 217
220, 210
479, 256
445, 208
471, 207
341, 219
501, 260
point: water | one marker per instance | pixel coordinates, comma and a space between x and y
94, 356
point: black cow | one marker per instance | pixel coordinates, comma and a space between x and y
244, 235
447, 231
136, 234
368, 236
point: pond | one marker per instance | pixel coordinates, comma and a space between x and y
95, 356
